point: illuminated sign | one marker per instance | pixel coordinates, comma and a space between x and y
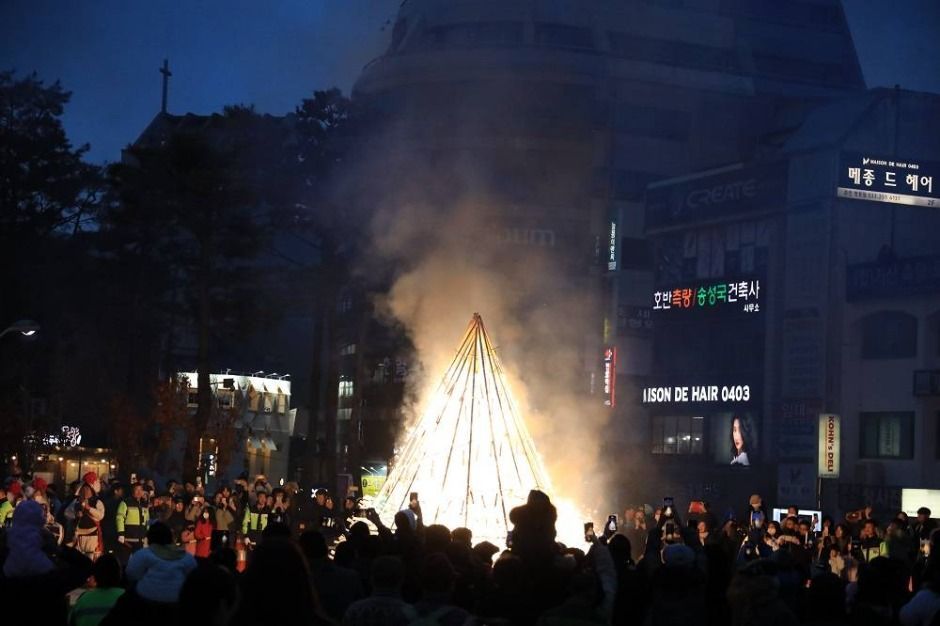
745, 293
829, 432
896, 181
70, 437
697, 393
612, 248
372, 485
610, 377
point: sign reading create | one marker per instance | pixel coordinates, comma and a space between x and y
697, 393
717, 194
745, 293
829, 445
896, 181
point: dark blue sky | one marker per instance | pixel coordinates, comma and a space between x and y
272, 54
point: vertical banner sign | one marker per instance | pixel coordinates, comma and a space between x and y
610, 376
612, 248
828, 445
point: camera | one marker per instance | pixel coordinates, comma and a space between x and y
589, 535
671, 533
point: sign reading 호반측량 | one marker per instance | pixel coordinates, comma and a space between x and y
882, 179
829, 434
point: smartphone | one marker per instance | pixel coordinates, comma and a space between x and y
589, 532
756, 518
509, 539
668, 507
697, 506
611, 526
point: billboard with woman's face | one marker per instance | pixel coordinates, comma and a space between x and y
734, 439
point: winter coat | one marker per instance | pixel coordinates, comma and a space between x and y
203, 536
159, 572
25, 543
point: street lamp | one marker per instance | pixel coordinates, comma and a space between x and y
27, 328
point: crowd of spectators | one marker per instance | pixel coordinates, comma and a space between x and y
255, 554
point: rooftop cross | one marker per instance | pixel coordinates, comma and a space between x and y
165, 70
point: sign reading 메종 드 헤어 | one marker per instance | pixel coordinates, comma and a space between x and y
892, 180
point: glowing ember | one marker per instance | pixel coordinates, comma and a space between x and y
470, 457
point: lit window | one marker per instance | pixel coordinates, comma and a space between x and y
348, 349
677, 435
887, 435
345, 389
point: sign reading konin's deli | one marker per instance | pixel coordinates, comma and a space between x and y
828, 445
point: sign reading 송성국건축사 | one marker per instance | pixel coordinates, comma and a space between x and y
883, 179
829, 434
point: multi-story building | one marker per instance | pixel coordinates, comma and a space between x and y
803, 283
263, 421
557, 115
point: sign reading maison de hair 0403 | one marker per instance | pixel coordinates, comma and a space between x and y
891, 180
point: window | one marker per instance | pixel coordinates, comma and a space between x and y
887, 435
670, 52
344, 415
226, 398
345, 389
889, 335
677, 435
347, 349
473, 34
563, 36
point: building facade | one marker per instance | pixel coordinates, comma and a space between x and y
834, 238
560, 114
262, 418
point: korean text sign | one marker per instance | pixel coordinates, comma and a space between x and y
892, 180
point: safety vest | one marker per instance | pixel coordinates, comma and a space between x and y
255, 521
132, 519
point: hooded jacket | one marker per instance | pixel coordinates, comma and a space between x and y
159, 572
25, 540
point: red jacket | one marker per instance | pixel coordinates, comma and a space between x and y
203, 534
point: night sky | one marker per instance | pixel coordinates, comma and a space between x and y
107, 53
